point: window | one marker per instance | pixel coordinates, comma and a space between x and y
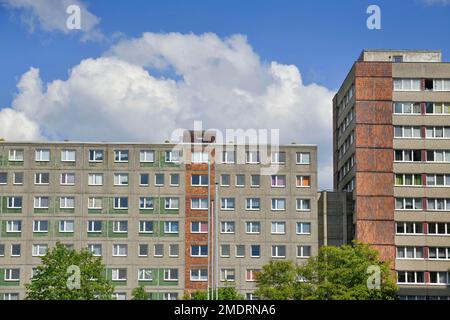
2, 250
441, 85
240, 251
42, 178
438, 228
171, 274
410, 277
66, 226
96, 179
68, 179
250, 274
159, 250
41, 202
409, 252
437, 132
227, 204
14, 202
159, 179
95, 203
278, 204
96, 155
303, 251
252, 204
252, 157
227, 227
439, 253
255, 180
406, 84
408, 155
68, 155
42, 155
408, 204
120, 203
119, 274
143, 250
279, 181
171, 203
409, 228
438, 156
408, 180
253, 227
199, 180
278, 157
174, 179
3, 178
143, 179
119, 296
397, 59
40, 226
278, 251
11, 296
199, 203
94, 226
407, 132
437, 108
39, 250
278, 227
303, 228
438, 204
145, 203
255, 250
12, 274
121, 156
228, 156
66, 202
303, 204
303, 181
16, 155
199, 250
225, 250
17, 178
174, 250
240, 180
407, 108
120, 226
13, 226
95, 249
173, 156
171, 226
145, 275
440, 278
145, 226
147, 156
120, 179
200, 157
120, 250
303, 158
225, 180
16, 250
227, 274
199, 227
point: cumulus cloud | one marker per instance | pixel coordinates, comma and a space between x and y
16, 126
144, 88
51, 15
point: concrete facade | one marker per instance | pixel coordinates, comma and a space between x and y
34, 216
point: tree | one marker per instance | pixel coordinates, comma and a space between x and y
336, 273
139, 293
225, 293
66, 274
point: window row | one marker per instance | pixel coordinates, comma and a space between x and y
418, 277
431, 253
421, 228
419, 204
429, 180
416, 108
442, 156
415, 132
416, 84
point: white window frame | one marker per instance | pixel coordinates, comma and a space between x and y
64, 176
147, 156
275, 227
170, 201
121, 179
117, 224
249, 225
12, 202
120, 155
65, 155
63, 226
39, 153
117, 247
36, 250
301, 231
197, 274
96, 152
95, 179
37, 226
16, 155
94, 201
143, 226
64, 202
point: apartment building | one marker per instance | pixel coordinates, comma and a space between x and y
391, 142
144, 209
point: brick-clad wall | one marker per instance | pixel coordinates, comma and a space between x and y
373, 136
196, 215
374, 112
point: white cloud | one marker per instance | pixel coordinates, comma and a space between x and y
51, 15
16, 126
222, 82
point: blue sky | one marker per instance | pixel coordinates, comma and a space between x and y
259, 64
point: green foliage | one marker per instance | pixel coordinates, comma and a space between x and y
225, 293
53, 279
139, 293
336, 273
